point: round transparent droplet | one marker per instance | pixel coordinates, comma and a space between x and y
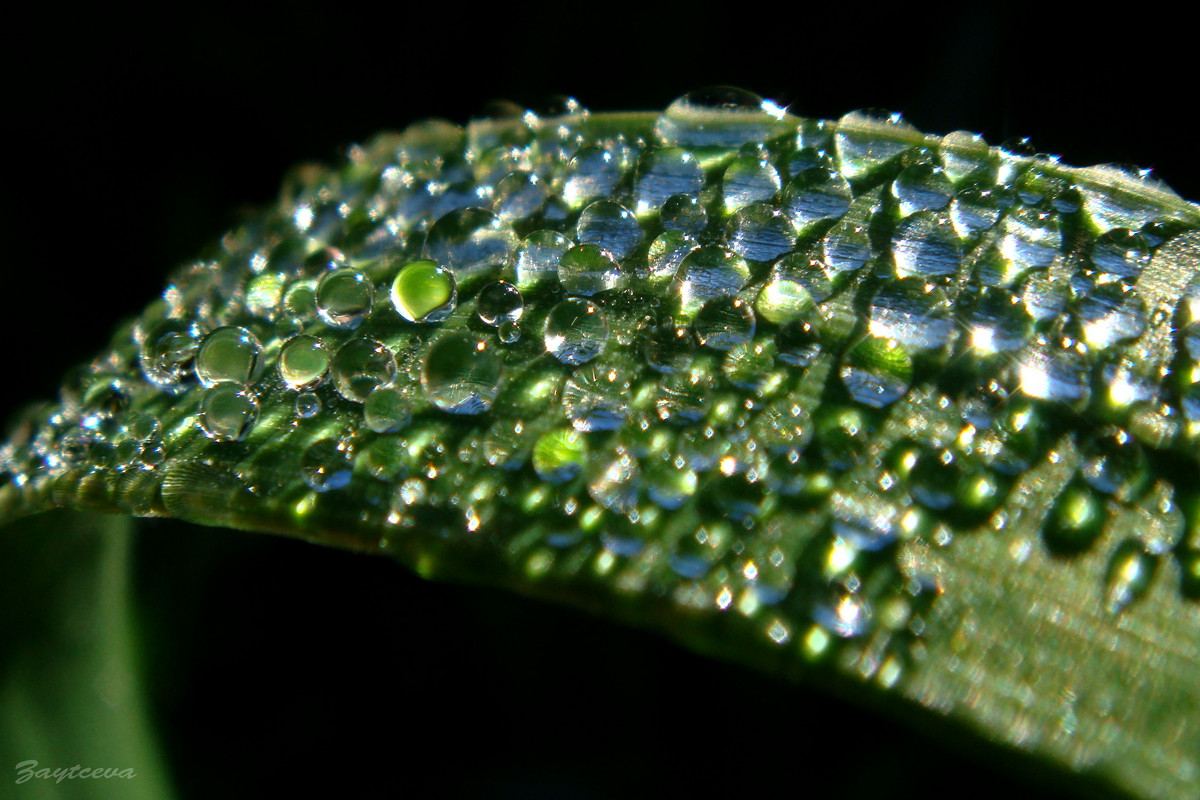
167, 354
667, 252
706, 273
472, 243
576, 331
519, 196
424, 292
877, 372
866, 141
922, 187
913, 313
926, 245
538, 257
386, 410
593, 172
669, 348
229, 355
307, 405
1111, 315
498, 303
816, 194
749, 178
610, 226
782, 301
1030, 238
508, 331
974, 209
663, 173
683, 213
327, 465
344, 298
999, 323
587, 269
461, 374
304, 362
227, 412
964, 154
360, 366
760, 232
724, 322
596, 398
560, 455
722, 118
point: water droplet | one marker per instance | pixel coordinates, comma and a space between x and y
539, 256
749, 178
922, 187
360, 366
227, 412
509, 331
815, 195
1075, 521
724, 322
1054, 373
386, 410
307, 405
609, 225
843, 614
518, 196
498, 303
327, 465
706, 273
1030, 238
593, 172
974, 209
868, 140
304, 362
614, 481
663, 173
683, 213
587, 269
1111, 315
667, 253
560, 455
718, 118
344, 298
964, 154
782, 301
425, 292
1119, 197
926, 246
166, 354
472, 243
1130, 572
913, 313
760, 232
596, 398
576, 331
461, 374
877, 372
999, 323
1121, 252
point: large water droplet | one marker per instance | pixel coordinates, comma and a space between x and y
344, 298
718, 118
424, 291
576, 331
360, 366
999, 323
461, 374
1030, 238
227, 412
683, 213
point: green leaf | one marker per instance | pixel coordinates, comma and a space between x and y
901, 415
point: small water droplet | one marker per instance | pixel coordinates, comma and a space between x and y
925, 245
706, 273
869, 140
560, 455
229, 354
922, 187
815, 195
610, 226
539, 256
593, 172
877, 372
1130, 572
307, 405
749, 178
596, 398
724, 322
662, 174
683, 213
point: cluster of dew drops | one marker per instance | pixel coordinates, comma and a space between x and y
716, 311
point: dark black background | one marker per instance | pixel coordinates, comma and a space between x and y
130, 142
